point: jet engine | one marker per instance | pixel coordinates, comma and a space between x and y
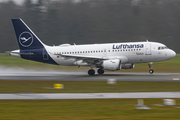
112, 65
127, 66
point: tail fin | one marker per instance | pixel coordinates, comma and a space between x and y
25, 36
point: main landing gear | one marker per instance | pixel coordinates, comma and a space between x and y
92, 71
100, 71
151, 71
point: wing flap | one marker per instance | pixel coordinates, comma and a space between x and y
85, 58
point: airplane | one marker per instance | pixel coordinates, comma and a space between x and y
110, 56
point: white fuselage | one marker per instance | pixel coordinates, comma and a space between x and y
132, 52
111, 56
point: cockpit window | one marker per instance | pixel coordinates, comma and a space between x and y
162, 47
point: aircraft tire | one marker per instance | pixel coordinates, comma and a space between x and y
151, 71
100, 71
91, 72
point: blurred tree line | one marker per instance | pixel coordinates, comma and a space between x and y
93, 21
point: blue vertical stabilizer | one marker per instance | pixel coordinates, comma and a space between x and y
25, 37
31, 47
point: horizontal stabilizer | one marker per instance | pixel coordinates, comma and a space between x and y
10, 52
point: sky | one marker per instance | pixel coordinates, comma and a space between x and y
19, 2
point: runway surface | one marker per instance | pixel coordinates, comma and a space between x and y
91, 95
83, 76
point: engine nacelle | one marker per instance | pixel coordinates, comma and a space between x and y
112, 65
128, 66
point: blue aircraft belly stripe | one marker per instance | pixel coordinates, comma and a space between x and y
38, 56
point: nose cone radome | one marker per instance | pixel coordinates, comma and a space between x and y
172, 54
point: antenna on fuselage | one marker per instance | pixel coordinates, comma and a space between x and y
147, 40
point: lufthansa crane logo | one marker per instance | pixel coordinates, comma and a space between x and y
25, 39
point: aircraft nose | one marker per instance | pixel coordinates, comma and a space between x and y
172, 54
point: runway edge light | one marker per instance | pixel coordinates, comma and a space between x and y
141, 105
111, 81
58, 86
169, 102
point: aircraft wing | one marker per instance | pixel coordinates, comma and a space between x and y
88, 59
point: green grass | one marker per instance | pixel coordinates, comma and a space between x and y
14, 86
171, 66
87, 109
95, 109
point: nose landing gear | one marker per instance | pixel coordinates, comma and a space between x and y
151, 71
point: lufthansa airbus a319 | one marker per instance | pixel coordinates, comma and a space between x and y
111, 56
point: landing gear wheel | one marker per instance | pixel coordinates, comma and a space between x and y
100, 71
91, 72
151, 71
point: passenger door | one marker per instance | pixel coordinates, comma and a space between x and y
148, 49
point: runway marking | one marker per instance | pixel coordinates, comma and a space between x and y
175, 78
